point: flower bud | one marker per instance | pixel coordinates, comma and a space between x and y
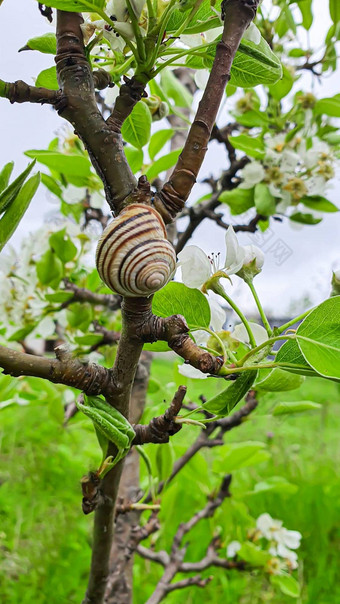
252, 263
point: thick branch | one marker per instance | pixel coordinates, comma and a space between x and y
102, 141
174, 330
20, 92
162, 427
129, 94
90, 378
172, 197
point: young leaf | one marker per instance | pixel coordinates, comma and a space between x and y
290, 353
47, 78
174, 89
241, 455
76, 5
46, 43
287, 584
10, 220
250, 145
264, 200
158, 140
239, 200
65, 164
61, 243
137, 127
177, 298
279, 380
328, 106
319, 203
134, 157
163, 163
304, 218
318, 338
225, 401
49, 269
252, 554
9, 194
5, 175
295, 407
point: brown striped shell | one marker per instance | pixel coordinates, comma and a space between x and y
133, 256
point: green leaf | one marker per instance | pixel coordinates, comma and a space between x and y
264, 200
328, 106
47, 78
137, 126
5, 175
9, 194
10, 220
305, 7
79, 315
91, 339
255, 64
286, 408
157, 347
134, 157
174, 89
252, 554
239, 200
241, 455
59, 297
46, 43
275, 484
290, 353
52, 185
177, 298
278, 380
250, 145
62, 245
225, 401
287, 584
162, 164
318, 338
334, 9
76, 5
305, 218
65, 164
49, 269
319, 203
22, 333
282, 86
158, 140
164, 461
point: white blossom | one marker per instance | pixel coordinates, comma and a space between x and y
232, 548
273, 530
252, 174
252, 252
240, 333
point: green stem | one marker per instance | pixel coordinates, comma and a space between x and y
136, 31
3, 89
268, 342
180, 54
260, 308
147, 462
218, 289
293, 321
188, 19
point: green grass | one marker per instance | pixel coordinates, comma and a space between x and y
45, 539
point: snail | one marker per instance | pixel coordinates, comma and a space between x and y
133, 256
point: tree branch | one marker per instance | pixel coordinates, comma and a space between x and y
20, 92
171, 199
80, 294
162, 427
79, 107
90, 378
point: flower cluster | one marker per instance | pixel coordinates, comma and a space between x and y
292, 170
275, 539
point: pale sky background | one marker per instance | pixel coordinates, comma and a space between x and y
298, 262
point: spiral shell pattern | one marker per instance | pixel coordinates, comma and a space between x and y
133, 256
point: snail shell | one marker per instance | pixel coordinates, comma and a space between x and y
133, 256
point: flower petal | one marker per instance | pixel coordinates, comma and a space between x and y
234, 254
191, 372
240, 333
195, 266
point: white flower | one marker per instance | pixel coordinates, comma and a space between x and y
240, 333
197, 268
252, 252
233, 548
201, 78
121, 24
252, 174
273, 530
285, 553
191, 372
73, 194
252, 34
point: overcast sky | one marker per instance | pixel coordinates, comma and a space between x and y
298, 262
